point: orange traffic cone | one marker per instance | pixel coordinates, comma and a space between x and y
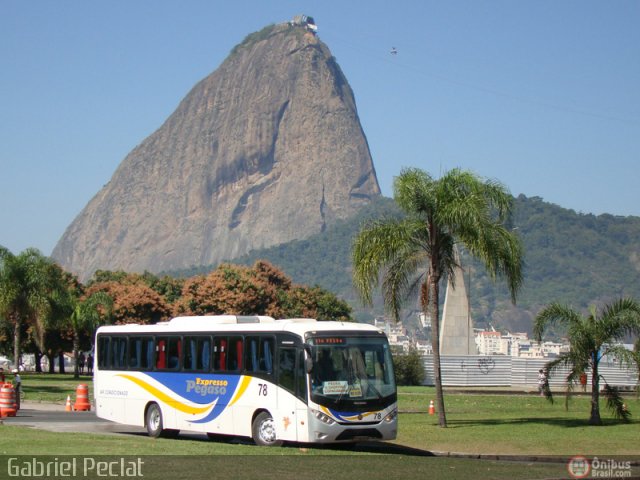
432, 408
82, 398
67, 407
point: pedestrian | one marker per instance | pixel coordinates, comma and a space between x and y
90, 364
17, 385
583, 381
2, 378
542, 382
81, 362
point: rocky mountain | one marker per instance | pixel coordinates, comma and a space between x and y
266, 149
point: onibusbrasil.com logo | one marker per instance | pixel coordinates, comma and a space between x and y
581, 467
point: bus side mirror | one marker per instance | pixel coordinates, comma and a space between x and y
308, 361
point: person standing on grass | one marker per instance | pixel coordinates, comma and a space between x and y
81, 363
90, 364
542, 381
17, 384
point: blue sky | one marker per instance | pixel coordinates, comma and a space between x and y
543, 96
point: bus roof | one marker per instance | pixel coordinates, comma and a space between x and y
234, 323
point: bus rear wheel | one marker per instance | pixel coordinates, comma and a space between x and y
153, 420
263, 431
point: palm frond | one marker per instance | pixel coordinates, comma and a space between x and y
615, 403
553, 314
620, 318
413, 191
625, 357
373, 249
400, 281
475, 211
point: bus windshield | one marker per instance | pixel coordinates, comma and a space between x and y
351, 371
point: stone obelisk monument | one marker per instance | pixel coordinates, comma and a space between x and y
456, 329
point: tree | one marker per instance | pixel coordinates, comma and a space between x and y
26, 284
590, 338
315, 302
83, 312
408, 367
133, 301
415, 253
235, 290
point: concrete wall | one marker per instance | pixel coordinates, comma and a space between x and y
502, 371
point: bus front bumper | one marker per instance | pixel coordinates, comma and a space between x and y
324, 430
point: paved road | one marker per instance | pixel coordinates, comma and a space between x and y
53, 417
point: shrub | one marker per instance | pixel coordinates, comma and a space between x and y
408, 367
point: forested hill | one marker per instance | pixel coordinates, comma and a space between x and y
574, 258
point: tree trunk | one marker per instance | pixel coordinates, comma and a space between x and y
38, 355
61, 362
52, 367
16, 341
76, 347
595, 394
434, 299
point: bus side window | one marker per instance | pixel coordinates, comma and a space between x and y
173, 353
252, 357
103, 352
118, 353
150, 349
219, 354
161, 354
287, 368
190, 353
206, 355
267, 355
196, 353
140, 353
239, 352
135, 350
259, 355
234, 355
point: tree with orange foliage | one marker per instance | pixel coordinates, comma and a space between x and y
234, 290
259, 290
133, 302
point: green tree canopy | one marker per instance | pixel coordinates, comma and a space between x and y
27, 281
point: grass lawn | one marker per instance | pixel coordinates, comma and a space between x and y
484, 424
186, 456
53, 388
515, 424
491, 424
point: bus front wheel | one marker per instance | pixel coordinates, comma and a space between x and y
263, 431
154, 420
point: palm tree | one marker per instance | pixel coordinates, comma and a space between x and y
26, 282
416, 252
81, 312
590, 338
87, 314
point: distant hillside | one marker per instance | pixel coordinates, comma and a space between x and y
573, 258
570, 257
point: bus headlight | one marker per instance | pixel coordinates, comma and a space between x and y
391, 416
323, 418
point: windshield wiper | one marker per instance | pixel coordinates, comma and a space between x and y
375, 390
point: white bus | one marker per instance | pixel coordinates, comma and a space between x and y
297, 380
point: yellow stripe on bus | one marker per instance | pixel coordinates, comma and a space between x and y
246, 380
166, 398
